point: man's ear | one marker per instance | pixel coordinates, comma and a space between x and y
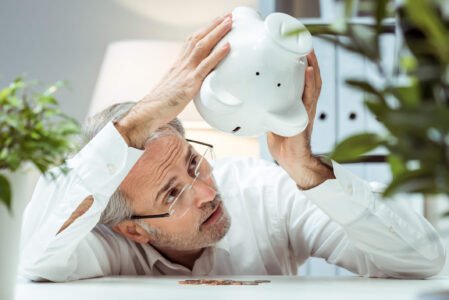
132, 231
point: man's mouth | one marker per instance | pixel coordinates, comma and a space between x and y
214, 216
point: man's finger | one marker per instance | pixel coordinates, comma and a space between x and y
205, 45
193, 39
204, 31
313, 62
212, 61
309, 89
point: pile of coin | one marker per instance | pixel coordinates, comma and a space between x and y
222, 282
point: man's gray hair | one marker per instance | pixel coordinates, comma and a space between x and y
119, 208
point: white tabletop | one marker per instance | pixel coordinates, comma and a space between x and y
280, 287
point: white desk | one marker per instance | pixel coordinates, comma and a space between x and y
280, 287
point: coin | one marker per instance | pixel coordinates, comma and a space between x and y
249, 283
206, 281
222, 282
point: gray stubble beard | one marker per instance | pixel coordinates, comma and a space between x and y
200, 238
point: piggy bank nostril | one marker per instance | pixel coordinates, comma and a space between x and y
236, 129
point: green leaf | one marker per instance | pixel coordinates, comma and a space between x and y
349, 8
408, 62
315, 29
423, 14
396, 163
365, 87
411, 182
5, 192
3, 153
351, 148
318, 29
4, 94
55, 87
418, 120
409, 95
33, 128
379, 109
381, 13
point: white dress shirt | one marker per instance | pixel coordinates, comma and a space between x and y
274, 229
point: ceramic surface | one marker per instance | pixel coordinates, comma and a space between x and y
258, 86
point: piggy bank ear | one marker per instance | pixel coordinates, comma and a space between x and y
277, 25
214, 97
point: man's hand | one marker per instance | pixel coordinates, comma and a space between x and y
293, 153
179, 85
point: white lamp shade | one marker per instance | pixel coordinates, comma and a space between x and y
131, 69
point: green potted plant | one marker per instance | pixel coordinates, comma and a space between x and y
34, 136
413, 103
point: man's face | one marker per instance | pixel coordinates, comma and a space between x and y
162, 171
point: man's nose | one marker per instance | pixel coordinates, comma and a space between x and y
203, 193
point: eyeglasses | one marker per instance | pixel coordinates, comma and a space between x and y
178, 200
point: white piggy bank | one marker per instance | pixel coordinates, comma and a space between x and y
258, 86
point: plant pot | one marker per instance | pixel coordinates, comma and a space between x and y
22, 186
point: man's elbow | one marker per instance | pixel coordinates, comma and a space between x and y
427, 267
45, 271
437, 264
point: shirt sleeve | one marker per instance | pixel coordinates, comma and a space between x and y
345, 221
97, 170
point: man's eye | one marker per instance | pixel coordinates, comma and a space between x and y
192, 166
171, 196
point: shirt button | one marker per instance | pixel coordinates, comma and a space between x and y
349, 189
111, 168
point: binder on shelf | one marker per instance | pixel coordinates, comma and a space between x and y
325, 126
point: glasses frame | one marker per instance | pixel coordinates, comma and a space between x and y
134, 217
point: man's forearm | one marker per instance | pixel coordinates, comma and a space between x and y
310, 173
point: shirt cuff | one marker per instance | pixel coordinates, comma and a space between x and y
345, 198
105, 161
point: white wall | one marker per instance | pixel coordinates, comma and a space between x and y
52, 40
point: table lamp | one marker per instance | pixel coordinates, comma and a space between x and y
131, 69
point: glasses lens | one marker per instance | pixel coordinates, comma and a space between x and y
180, 205
203, 170
184, 202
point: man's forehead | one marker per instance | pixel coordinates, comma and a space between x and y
168, 139
169, 145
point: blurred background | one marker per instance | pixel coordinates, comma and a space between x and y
116, 50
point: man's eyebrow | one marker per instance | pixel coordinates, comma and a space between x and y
174, 178
166, 187
189, 153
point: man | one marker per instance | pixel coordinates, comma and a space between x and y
138, 200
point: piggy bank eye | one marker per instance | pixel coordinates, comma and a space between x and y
279, 84
257, 73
